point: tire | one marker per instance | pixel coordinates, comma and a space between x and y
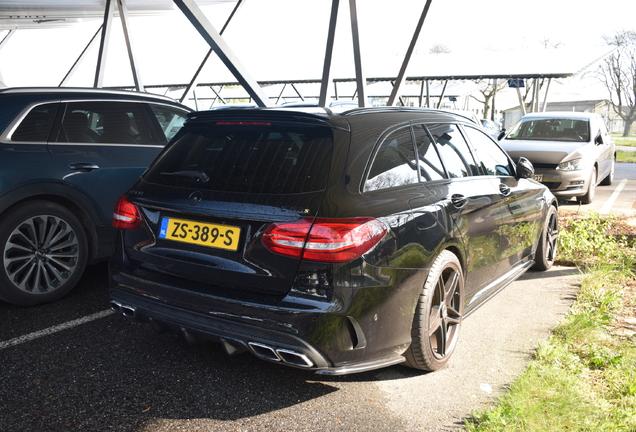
607, 181
545, 255
591, 189
438, 315
44, 253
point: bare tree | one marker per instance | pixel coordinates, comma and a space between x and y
549, 44
439, 49
488, 95
618, 73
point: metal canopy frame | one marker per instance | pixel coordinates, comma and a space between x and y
217, 45
328, 85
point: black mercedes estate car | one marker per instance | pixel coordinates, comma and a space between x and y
66, 156
337, 243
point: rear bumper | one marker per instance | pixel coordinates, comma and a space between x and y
326, 338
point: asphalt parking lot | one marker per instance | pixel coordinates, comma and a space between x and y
73, 365
111, 373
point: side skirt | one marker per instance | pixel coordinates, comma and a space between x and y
497, 285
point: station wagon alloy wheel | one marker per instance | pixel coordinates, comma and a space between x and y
548, 243
438, 315
43, 254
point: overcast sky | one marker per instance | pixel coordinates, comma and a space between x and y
293, 32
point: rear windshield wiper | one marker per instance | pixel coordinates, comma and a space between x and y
198, 175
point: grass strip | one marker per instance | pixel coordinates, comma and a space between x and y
583, 378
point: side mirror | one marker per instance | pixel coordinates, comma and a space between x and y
501, 135
598, 140
525, 168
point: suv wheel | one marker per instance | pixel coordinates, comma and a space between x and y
438, 315
44, 253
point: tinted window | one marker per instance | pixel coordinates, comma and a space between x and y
36, 126
272, 159
395, 162
553, 129
431, 167
453, 150
104, 122
493, 160
170, 119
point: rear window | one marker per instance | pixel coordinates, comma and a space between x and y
265, 158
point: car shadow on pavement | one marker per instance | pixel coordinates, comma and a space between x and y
554, 272
117, 374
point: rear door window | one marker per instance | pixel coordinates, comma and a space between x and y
395, 163
454, 150
104, 122
258, 157
431, 167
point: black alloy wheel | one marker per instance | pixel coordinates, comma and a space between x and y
547, 246
438, 315
44, 253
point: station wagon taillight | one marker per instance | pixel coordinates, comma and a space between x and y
126, 214
324, 240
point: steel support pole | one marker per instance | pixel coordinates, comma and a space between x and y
195, 79
125, 20
361, 79
536, 96
298, 92
6, 38
325, 85
494, 97
3, 42
441, 97
71, 71
280, 95
545, 97
407, 58
216, 42
521, 104
103, 45
218, 95
428, 94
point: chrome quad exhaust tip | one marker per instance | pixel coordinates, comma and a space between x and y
287, 356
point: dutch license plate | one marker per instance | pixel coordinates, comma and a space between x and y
200, 233
538, 177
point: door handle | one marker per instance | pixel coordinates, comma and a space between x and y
83, 166
504, 190
458, 200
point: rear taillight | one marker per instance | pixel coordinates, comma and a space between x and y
126, 214
326, 240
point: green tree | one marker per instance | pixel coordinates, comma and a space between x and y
618, 73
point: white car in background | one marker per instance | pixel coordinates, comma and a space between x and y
571, 151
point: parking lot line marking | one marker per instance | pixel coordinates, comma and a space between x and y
55, 329
610, 202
